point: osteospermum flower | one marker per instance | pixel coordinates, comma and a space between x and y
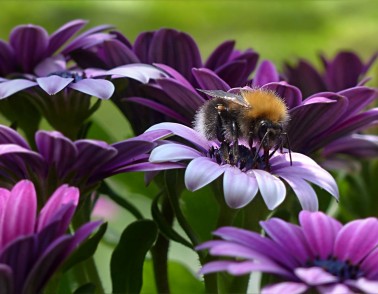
345, 70
243, 179
320, 254
33, 245
57, 159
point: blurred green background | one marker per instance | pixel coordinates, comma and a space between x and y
277, 30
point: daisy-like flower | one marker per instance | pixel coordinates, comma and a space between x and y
33, 245
82, 163
172, 97
320, 254
243, 179
345, 70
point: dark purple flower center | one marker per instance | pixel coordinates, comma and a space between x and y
77, 76
241, 157
344, 270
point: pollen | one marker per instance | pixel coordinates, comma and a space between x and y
265, 104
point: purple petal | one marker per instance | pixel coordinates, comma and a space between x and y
290, 238
63, 34
10, 136
174, 74
50, 65
29, 43
315, 276
6, 279
63, 198
239, 189
220, 55
335, 289
359, 98
159, 108
215, 266
369, 265
320, 231
115, 53
265, 73
356, 240
364, 285
209, 80
200, 172
234, 72
20, 212
272, 189
305, 193
95, 87
53, 84
10, 87
57, 150
148, 167
290, 94
138, 71
173, 152
185, 133
7, 59
285, 287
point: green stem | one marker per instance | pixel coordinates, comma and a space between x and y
160, 252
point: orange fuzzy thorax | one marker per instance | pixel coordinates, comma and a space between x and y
265, 104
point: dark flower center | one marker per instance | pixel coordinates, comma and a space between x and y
68, 74
344, 270
239, 156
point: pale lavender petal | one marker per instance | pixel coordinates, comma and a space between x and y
305, 193
320, 231
334, 289
141, 72
200, 172
29, 43
285, 287
239, 189
53, 84
290, 238
10, 87
64, 196
185, 133
6, 279
315, 276
265, 73
208, 80
50, 65
173, 152
65, 32
159, 108
364, 285
215, 266
356, 239
272, 189
95, 87
245, 267
20, 212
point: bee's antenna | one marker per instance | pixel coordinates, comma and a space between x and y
288, 146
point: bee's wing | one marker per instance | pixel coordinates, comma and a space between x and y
239, 99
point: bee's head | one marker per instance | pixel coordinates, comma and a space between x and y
269, 133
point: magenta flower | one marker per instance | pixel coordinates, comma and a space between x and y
320, 254
242, 180
33, 246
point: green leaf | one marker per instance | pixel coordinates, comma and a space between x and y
164, 227
86, 249
126, 264
86, 289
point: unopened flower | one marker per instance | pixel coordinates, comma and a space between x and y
33, 245
320, 254
244, 178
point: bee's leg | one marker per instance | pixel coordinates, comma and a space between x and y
235, 143
220, 131
266, 158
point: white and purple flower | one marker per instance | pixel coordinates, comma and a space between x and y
242, 180
320, 254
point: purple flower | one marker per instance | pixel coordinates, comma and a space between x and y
345, 70
172, 97
321, 254
82, 163
33, 246
243, 179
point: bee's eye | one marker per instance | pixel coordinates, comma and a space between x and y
263, 129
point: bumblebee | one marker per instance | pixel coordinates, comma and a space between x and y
256, 116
